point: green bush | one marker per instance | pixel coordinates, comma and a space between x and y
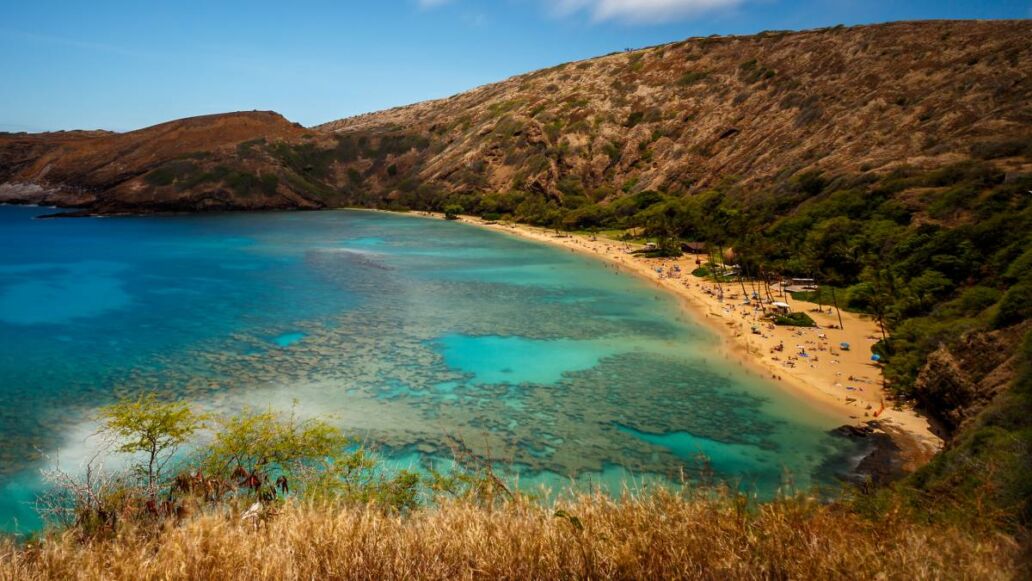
691, 77
452, 211
304, 159
170, 173
1002, 148
634, 118
264, 456
970, 302
152, 429
797, 319
160, 177
1015, 307
590, 216
245, 184
246, 149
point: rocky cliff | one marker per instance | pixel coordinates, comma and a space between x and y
958, 381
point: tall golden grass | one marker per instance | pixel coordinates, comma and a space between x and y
652, 535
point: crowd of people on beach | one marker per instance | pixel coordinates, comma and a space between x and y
812, 347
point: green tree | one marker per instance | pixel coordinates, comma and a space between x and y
151, 427
452, 211
268, 444
314, 458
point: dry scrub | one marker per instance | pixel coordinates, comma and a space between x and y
657, 535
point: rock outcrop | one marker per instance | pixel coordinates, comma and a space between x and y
957, 383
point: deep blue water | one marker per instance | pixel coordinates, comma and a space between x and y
405, 330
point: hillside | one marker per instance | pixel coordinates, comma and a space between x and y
687, 116
185, 165
752, 111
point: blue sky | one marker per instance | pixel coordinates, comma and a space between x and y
125, 64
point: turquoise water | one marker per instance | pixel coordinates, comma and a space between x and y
288, 339
410, 333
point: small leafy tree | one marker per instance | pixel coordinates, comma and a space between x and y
310, 457
452, 211
264, 445
151, 427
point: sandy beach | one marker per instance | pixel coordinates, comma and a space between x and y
808, 362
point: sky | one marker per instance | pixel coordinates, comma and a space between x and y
126, 64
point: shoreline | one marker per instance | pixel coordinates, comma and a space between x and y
858, 401
843, 383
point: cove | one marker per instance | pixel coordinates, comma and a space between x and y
405, 330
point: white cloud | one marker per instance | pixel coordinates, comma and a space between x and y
428, 4
643, 11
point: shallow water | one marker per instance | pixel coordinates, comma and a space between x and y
409, 332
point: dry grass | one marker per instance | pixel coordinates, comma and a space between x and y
657, 535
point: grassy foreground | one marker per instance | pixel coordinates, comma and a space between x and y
652, 535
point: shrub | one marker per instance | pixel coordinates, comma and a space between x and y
269, 184
634, 118
267, 445
1002, 148
171, 173
692, 77
1015, 307
246, 148
613, 150
263, 456
798, 319
243, 183
590, 216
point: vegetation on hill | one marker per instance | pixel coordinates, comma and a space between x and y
685, 117
986, 473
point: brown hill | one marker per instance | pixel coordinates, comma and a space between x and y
146, 169
685, 116
750, 110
